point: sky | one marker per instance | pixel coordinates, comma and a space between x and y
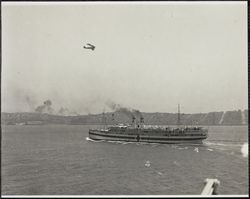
148, 56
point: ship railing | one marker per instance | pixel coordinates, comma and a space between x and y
211, 187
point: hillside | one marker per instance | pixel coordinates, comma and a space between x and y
212, 118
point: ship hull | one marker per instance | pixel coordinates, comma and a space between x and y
101, 135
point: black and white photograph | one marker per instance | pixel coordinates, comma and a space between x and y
124, 99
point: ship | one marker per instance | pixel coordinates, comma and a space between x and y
139, 132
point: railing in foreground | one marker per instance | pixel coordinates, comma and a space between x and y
211, 187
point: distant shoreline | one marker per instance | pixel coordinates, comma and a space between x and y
111, 124
228, 118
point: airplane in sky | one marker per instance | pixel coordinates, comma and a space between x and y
89, 46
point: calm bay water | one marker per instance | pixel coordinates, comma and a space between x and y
61, 160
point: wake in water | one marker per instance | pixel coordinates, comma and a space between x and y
223, 146
89, 139
232, 148
189, 144
116, 142
244, 150
209, 149
148, 165
222, 143
182, 148
226, 141
125, 142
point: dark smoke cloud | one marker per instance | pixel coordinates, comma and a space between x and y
127, 111
137, 113
48, 103
45, 108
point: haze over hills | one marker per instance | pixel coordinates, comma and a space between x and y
123, 115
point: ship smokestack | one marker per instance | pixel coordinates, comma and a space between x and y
133, 121
142, 122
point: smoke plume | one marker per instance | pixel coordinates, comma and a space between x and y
63, 111
127, 111
45, 108
66, 112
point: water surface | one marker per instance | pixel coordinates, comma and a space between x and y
61, 160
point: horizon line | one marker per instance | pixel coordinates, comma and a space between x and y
118, 111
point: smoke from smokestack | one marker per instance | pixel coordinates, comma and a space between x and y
137, 113
127, 111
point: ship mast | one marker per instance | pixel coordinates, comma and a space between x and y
179, 116
104, 119
113, 119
